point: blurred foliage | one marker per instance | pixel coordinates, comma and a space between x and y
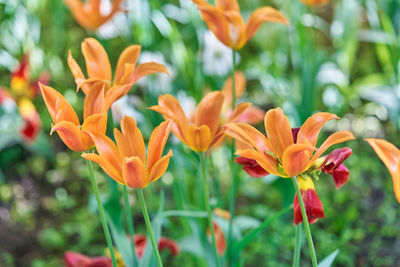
342, 58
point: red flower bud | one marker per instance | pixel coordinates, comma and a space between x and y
313, 205
333, 165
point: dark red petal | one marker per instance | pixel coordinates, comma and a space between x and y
295, 132
335, 159
99, 262
31, 128
73, 259
313, 205
251, 167
169, 244
140, 244
340, 175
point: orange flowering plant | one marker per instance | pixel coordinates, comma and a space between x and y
315, 2
226, 22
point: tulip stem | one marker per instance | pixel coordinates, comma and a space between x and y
297, 246
148, 226
305, 221
101, 213
129, 222
206, 200
233, 167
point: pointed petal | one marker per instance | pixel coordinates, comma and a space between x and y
94, 99
237, 29
159, 167
227, 5
130, 141
312, 126
199, 138
239, 111
58, 106
78, 11
390, 156
216, 22
129, 55
279, 132
267, 162
144, 69
333, 139
295, 159
261, 15
76, 71
240, 85
209, 111
97, 62
107, 149
157, 142
71, 135
247, 134
134, 173
96, 123
105, 165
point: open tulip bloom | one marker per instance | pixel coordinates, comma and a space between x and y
226, 22
98, 67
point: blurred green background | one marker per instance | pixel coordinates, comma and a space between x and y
343, 58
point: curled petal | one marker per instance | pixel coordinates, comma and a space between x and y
134, 173
209, 111
129, 55
97, 62
105, 165
157, 142
335, 159
267, 162
76, 71
340, 175
295, 159
96, 123
239, 110
251, 167
390, 156
313, 125
216, 22
278, 130
72, 136
160, 167
142, 70
199, 138
261, 15
113, 94
247, 134
333, 139
313, 205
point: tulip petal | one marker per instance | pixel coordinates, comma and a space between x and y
252, 115
72, 136
238, 111
240, 85
157, 142
134, 173
129, 55
58, 106
144, 69
76, 71
295, 159
96, 123
390, 156
216, 22
313, 205
130, 141
340, 175
94, 99
333, 139
209, 110
261, 15
279, 132
247, 134
97, 62
251, 167
107, 149
267, 162
312, 126
113, 94
105, 165
159, 167
199, 138
78, 11
237, 29
227, 5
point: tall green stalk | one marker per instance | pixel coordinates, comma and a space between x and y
148, 226
206, 200
129, 222
101, 213
235, 179
297, 246
305, 222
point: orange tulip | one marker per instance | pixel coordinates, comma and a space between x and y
88, 14
204, 130
277, 153
252, 115
99, 68
66, 122
315, 2
226, 22
125, 161
390, 156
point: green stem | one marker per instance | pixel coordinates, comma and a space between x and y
206, 200
101, 213
233, 167
148, 226
129, 220
305, 221
297, 246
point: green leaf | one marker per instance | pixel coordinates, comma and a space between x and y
327, 262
